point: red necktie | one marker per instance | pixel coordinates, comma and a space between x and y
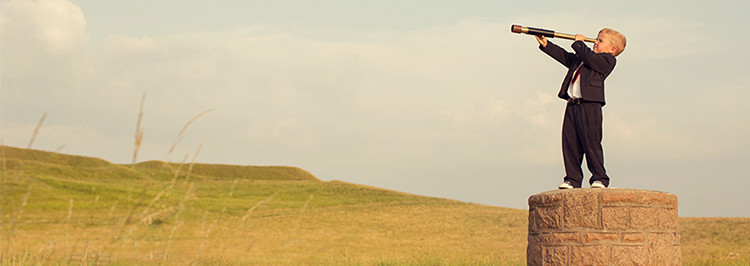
578, 74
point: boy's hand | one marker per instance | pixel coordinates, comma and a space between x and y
542, 40
580, 37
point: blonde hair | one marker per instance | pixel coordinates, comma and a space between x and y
616, 39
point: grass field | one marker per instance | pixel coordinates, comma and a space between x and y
62, 209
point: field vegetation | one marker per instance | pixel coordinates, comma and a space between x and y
63, 209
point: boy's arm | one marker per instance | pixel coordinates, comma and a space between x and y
558, 53
600, 62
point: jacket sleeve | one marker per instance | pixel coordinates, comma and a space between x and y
558, 53
603, 63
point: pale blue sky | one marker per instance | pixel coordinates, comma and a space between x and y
434, 98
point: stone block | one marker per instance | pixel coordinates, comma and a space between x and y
545, 199
589, 255
534, 220
594, 237
634, 238
671, 200
555, 255
653, 198
629, 255
581, 210
676, 253
619, 196
668, 218
614, 218
534, 250
562, 237
676, 256
542, 218
643, 218
660, 247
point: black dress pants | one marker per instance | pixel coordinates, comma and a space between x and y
582, 135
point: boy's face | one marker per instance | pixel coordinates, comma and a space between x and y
603, 45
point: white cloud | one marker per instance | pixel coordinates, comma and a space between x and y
43, 39
58, 24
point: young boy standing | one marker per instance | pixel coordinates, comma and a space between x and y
583, 88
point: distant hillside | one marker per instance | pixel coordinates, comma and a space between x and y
64, 209
214, 171
220, 171
37, 156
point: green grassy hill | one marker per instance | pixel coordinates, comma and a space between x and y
63, 209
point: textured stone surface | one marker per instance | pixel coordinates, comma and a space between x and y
615, 218
546, 217
620, 197
633, 238
556, 255
603, 227
644, 218
534, 251
556, 238
594, 237
629, 255
582, 211
589, 255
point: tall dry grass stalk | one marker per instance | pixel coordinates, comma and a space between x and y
147, 215
142, 212
184, 128
179, 220
112, 210
122, 228
53, 245
231, 193
14, 216
177, 171
231, 188
139, 130
93, 206
67, 222
206, 233
250, 211
195, 156
36, 130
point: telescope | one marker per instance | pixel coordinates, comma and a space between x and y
546, 33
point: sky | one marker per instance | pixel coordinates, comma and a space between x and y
435, 98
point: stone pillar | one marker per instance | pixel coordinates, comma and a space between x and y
610, 226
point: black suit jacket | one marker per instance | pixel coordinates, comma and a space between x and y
596, 68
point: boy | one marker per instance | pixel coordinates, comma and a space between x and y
583, 88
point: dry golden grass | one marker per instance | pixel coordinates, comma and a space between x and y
86, 209
61, 209
712, 241
420, 232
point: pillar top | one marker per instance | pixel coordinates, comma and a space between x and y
607, 196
